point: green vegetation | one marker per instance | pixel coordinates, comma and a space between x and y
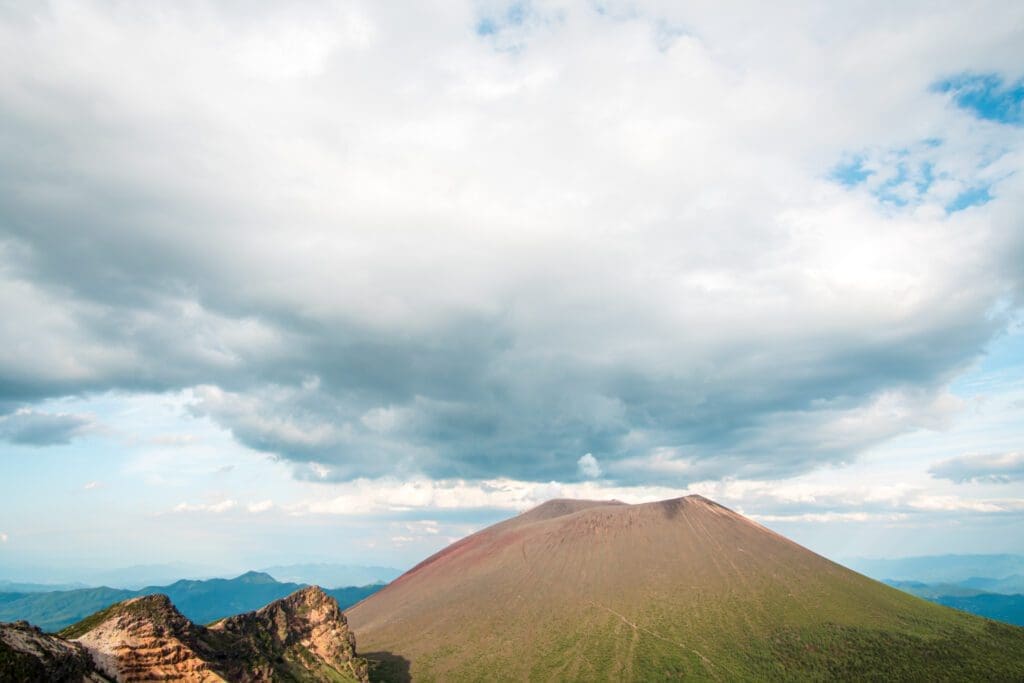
965, 649
19, 666
79, 629
835, 652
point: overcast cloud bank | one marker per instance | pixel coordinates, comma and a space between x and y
690, 247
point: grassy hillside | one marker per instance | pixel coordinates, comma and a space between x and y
677, 589
200, 601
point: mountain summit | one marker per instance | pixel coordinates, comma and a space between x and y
584, 590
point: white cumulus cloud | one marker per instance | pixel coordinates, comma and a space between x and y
588, 466
217, 508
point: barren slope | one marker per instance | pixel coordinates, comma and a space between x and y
684, 587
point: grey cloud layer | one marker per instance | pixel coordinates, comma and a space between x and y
374, 249
31, 428
989, 467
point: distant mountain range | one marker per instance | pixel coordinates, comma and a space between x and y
19, 587
991, 586
684, 588
33, 579
200, 601
326, 574
131, 577
962, 596
941, 568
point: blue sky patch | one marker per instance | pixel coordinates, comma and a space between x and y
914, 175
514, 15
975, 196
850, 172
987, 96
486, 27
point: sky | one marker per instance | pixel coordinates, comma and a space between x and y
346, 281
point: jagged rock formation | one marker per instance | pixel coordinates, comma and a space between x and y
28, 655
303, 637
682, 588
306, 631
145, 639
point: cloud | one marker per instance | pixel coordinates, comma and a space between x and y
89, 486
997, 468
526, 247
260, 506
791, 501
32, 428
832, 517
589, 466
216, 508
3, 538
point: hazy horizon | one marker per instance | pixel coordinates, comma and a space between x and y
345, 282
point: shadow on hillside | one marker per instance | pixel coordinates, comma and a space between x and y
672, 508
386, 667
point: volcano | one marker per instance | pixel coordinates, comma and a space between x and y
682, 588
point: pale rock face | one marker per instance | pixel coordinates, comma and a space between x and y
149, 640
29, 654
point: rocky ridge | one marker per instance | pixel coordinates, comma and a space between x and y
145, 639
306, 631
302, 637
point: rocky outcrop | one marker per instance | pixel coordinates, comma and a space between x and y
300, 633
303, 637
28, 655
146, 639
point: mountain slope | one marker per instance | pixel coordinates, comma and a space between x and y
303, 637
200, 601
684, 587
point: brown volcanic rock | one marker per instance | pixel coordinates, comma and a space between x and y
28, 655
584, 590
306, 630
303, 637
